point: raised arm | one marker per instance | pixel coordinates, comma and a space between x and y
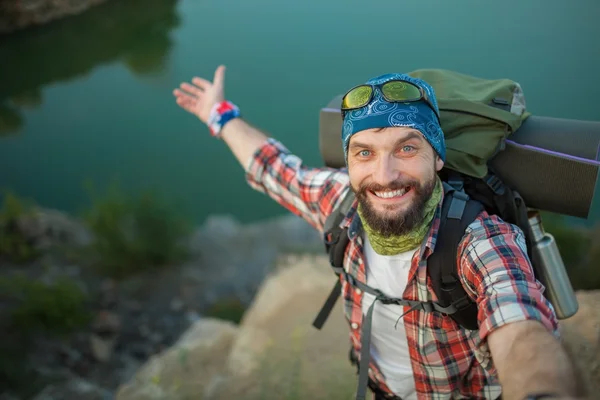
199, 98
310, 193
516, 321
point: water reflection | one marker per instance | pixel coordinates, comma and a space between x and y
135, 32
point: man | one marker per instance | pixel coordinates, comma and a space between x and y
393, 152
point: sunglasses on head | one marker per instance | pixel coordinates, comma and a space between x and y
394, 91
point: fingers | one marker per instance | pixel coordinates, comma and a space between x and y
181, 94
185, 101
186, 104
191, 89
219, 78
201, 83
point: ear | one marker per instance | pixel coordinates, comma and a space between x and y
438, 163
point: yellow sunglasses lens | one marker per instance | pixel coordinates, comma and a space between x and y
357, 97
400, 91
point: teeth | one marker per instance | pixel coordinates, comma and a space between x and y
390, 194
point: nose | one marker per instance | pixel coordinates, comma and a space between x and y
386, 171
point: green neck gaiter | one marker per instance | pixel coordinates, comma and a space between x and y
398, 244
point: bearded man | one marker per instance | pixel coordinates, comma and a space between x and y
394, 151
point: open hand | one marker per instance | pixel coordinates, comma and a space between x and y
199, 97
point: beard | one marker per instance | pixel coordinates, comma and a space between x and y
395, 223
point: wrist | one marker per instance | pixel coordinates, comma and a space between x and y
220, 114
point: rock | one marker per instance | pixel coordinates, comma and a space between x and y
188, 368
106, 323
105, 331
140, 351
74, 388
177, 305
144, 330
69, 356
18, 15
192, 316
102, 347
225, 226
45, 228
278, 351
581, 337
134, 306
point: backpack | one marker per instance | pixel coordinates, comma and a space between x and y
476, 115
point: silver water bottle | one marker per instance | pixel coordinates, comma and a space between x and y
552, 269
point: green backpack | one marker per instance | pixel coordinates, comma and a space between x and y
477, 115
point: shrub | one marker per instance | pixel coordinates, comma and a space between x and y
13, 244
55, 309
134, 234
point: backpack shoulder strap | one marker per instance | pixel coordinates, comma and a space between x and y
336, 240
458, 211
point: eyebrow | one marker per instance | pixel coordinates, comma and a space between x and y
411, 135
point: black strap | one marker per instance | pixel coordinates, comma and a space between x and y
365, 340
328, 306
336, 240
458, 211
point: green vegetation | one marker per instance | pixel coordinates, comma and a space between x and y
14, 246
55, 309
134, 234
580, 251
228, 309
36, 309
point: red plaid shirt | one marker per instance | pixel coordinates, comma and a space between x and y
447, 360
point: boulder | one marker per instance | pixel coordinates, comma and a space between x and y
74, 388
189, 369
278, 353
581, 337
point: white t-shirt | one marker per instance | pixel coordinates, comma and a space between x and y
389, 347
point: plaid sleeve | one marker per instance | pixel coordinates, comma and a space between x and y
495, 266
310, 193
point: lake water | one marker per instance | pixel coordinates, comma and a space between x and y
89, 97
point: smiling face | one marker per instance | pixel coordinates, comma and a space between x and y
393, 172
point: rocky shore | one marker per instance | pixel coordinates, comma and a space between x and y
158, 336
140, 316
20, 14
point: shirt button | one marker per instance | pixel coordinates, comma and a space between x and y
354, 325
358, 291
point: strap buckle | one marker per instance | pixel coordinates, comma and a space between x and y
495, 184
328, 236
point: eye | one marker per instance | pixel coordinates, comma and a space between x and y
408, 148
364, 153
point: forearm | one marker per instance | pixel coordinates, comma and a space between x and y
530, 360
243, 140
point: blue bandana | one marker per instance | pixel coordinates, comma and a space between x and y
380, 113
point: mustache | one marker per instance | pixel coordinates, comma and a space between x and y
400, 184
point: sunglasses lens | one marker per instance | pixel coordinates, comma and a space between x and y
400, 91
357, 97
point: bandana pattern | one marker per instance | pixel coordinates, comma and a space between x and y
380, 113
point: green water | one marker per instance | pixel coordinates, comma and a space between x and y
89, 97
